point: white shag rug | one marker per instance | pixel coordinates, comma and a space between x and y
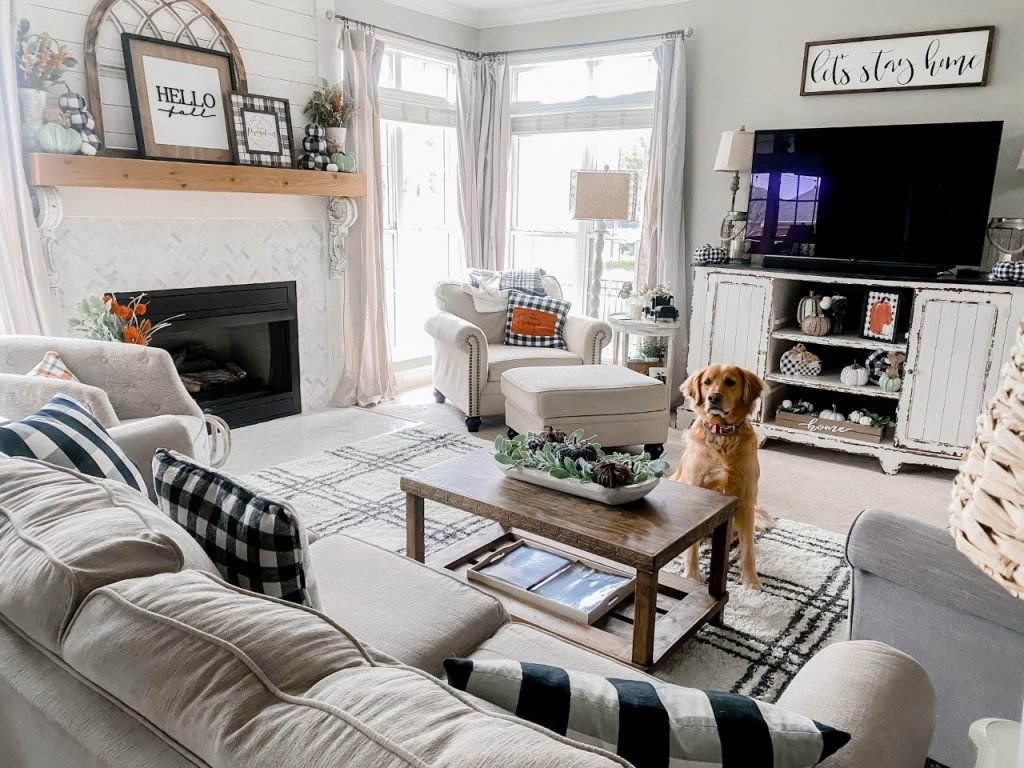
768, 635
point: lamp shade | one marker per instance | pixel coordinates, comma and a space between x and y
735, 152
603, 195
987, 511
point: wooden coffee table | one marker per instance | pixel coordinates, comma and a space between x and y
640, 537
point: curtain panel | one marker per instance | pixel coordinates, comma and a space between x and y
368, 376
662, 259
484, 135
24, 296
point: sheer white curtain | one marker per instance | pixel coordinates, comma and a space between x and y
368, 376
661, 256
484, 131
24, 297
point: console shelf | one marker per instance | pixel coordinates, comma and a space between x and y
838, 340
831, 383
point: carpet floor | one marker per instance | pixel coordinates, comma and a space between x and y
768, 635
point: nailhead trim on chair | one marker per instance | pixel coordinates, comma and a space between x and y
595, 355
474, 375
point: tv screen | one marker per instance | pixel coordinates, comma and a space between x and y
911, 194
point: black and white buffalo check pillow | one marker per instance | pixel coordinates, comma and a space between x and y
257, 543
535, 321
652, 725
65, 434
529, 281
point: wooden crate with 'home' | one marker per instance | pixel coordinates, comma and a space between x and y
819, 426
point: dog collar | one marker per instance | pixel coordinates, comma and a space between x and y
721, 429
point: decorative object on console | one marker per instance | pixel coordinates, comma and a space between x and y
261, 130
854, 375
1008, 271
891, 378
329, 108
64, 433
735, 156
831, 414
602, 196
178, 94
535, 321
878, 362
314, 149
1006, 235
40, 62
650, 725
77, 117
947, 58
710, 254
880, 315
987, 510
811, 316
800, 361
836, 308
107, 319
257, 543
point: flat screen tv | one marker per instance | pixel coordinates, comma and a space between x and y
907, 197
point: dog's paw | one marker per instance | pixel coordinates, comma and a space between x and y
752, 582
693, 575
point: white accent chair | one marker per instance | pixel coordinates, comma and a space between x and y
470, 353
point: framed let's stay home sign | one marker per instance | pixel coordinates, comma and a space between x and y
950, 58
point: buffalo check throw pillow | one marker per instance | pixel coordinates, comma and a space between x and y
535, 321
257, 543
651, 725
65, 434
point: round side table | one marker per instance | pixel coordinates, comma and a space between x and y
623, 328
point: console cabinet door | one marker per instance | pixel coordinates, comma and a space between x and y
956, 348
735, 324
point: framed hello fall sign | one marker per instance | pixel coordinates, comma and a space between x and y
179, 99
949, 58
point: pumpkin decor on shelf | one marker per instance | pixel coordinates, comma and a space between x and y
799, 361
878, 362
811, 316
73, 106
314, 148
346, 161
891, 379
831, 414
58, 139
854, 375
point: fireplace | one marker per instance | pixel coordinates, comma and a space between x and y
236, 348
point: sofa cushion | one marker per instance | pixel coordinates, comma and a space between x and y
408, 610
535, 321
593, 391
653, 725
256, 542
64, 433
243, 679
502, 357
64, 534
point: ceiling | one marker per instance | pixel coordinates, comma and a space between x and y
500, 13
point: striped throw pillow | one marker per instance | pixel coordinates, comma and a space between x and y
535, 321
65, 434
651, 725
257, 543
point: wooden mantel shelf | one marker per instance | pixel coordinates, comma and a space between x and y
46, 170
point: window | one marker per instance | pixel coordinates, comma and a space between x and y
586, 113
793, 218
422, 238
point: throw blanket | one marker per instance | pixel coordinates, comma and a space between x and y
490, 289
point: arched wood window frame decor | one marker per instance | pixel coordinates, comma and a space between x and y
146, 25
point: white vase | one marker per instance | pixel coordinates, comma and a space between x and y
636, 311
337, 135
31, 103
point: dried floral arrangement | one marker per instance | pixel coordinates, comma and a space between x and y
107, 319
329, 107
40, 60
566, 456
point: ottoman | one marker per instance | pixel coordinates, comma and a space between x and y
619, 406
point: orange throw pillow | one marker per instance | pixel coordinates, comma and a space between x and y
535, 321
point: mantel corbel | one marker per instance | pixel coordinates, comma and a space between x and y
341, 214
49, 211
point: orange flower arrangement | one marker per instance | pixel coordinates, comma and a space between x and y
108, 319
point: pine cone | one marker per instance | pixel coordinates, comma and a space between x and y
611, 474
552, 435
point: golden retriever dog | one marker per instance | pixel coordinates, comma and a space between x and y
721, 454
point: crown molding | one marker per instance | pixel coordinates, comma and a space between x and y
525, 14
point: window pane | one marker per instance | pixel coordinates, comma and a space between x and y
423, 175
422, 263
426, 76
545, 165
620, 75
552, 83
554, 254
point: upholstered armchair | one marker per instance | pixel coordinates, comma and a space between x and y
470, 354
133, 391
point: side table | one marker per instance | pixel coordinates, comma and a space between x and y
997, 742
623, 328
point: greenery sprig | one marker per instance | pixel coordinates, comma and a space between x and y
544, 457
329, 107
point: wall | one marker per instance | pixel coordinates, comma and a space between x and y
744, 64
410, 22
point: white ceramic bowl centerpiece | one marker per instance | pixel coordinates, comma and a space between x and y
575, 465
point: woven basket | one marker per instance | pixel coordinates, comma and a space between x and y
987, 510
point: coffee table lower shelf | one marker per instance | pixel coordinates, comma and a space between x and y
683, 605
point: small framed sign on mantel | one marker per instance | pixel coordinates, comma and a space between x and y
949, 58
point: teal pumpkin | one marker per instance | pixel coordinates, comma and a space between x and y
346, 161
890, 383
56, 139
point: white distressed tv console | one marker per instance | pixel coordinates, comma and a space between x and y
959, 336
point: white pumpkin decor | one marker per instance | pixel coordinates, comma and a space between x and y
787, 403
832, 415
865, 421
855, 416
854, 375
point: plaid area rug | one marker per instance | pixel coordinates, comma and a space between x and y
768, 635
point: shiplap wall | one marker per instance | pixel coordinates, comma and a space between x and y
277, 39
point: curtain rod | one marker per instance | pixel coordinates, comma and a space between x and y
339, 19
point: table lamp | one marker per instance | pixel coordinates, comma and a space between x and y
735, 156
987, 510
601, 196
